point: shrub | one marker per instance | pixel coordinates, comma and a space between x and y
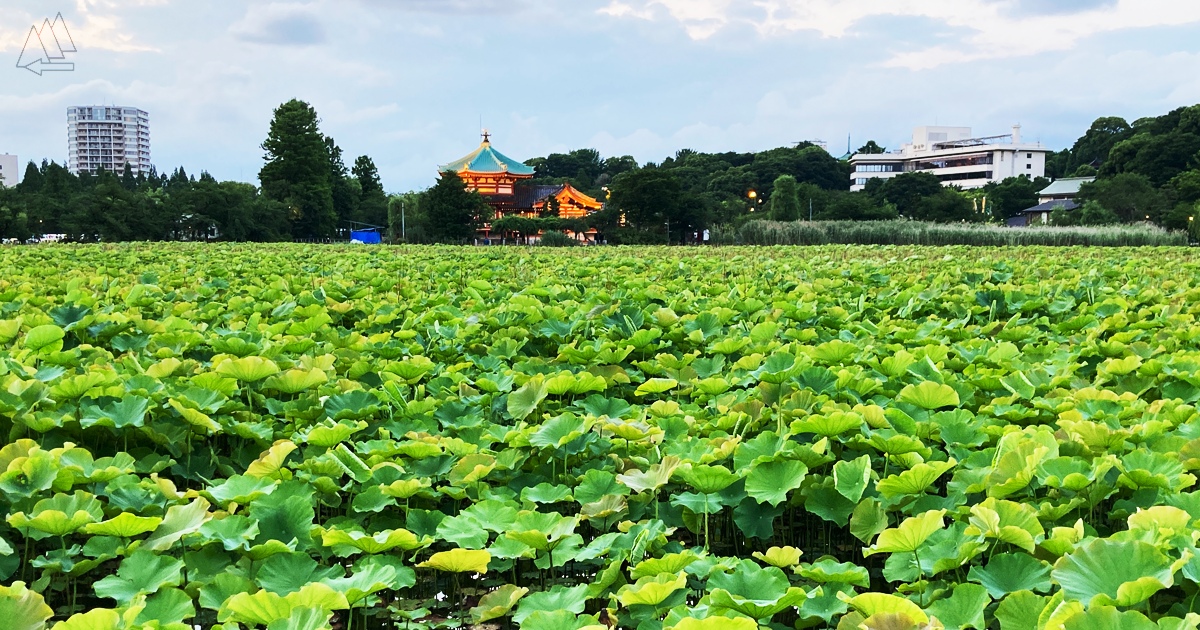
557, 239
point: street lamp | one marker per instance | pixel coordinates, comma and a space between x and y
752, 196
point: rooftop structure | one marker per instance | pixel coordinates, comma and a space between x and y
108, 137
956, 157
1064, 188
10, 175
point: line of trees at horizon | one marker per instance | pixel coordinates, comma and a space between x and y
1147, 171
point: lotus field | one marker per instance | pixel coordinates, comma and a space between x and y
306, 438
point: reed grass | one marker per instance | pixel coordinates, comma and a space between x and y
919, 233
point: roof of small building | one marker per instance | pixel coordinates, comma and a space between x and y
1050, 206
1065, 186
485, 159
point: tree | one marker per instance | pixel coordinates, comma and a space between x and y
648, 197
373, 204
855, 206
454, 213
1009, 197
1131, 196
343, 193
1097, 141
870, 148
785, 204
906, 191
947, 206
297, 170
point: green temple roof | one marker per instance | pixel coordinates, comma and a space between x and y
485, 159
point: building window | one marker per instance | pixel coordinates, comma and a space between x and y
877, 168
1029, 155
861, 181
951, 177
1029, 166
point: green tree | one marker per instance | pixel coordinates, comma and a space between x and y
870, 148
373, 206
342, 191
948, 205
907, 190
453, 212
1009, 197
1131, 196
855, 206
785, 204
649, 198
297, 170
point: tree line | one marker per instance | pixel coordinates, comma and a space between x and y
1147, 171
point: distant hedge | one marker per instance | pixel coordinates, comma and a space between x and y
919, 233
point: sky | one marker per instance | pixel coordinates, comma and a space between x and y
409, 82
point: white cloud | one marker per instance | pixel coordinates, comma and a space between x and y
281, 23
993, 28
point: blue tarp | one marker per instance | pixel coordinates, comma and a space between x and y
370, 238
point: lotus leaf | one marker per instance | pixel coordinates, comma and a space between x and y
651, 590
460, 561
1112, 573
1012, 572
497, 603
963, 609
909, 535
929, 395
23, 609
780, 556
139, 574
558, 598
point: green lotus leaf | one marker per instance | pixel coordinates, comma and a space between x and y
546, 493
715, 623
868, 519
1109, 618
288, 572
124, 525
269, 465
1020, 611
373, 543
265, 607
247, 369
179, 521
23, 609
460, 561
671, 563
464, 531
908, 536
560, 620
96, 619
770, 482
754, 591
830, 570
1011, 572
240, 489
362, 583
140, 574
352, 405
558, 598
167, 606
929, 395
963, 609
471, 469
28, 475
130, 411
301, 618
707, 479
350, 464
541, 530
831, 424
656, 386
851, 477
557, 432
403, 488
329, 433
61, 514
221, 588
651, 590
871, 604
597, 484
526, 399
1011, 522
45, 339
295, 381
780, 556
497, 603
914, 480
1112, 573
650, 480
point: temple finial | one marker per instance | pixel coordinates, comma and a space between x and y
487, 136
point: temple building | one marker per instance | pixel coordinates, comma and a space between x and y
503, 182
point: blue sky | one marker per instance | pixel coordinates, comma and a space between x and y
407, 81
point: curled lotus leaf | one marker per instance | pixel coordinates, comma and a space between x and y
1115, 573
23, 609
373, 543
124, 525
870, 604
909, 535
459, 561
780, 556
929, 395
497, 603
247, 369
651, 590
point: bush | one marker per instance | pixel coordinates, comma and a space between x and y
557, 239
920, 233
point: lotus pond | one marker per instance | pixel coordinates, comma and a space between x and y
305, 438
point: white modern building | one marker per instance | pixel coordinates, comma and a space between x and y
956, 157
108, 136
10, 174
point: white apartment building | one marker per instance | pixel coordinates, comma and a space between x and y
10, 175
957, 158
108, 136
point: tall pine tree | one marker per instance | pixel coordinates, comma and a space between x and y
373, 206
297, 170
